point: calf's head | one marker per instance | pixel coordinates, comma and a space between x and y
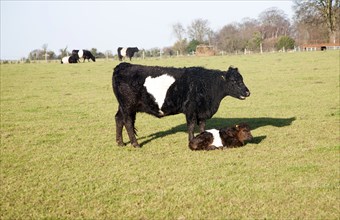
243, 132
235, 86
236, 136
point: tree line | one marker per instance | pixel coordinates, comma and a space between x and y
314, 21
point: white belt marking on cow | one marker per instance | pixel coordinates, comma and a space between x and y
65, 59
80, 53
217, 138
123, 52
158, 87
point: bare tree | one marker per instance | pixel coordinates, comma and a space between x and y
63, 52
229, 38
274, 23
35, 54
44, 47
179, 31
199, 30
180, 46
311, 13
248, 27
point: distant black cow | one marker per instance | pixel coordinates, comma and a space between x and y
212, 139
126, 52
70, 59
86, 54
161, 91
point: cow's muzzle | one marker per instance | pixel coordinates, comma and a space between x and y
245, 96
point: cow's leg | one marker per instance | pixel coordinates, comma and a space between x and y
201, 125
191, 127
119, 127
129, 123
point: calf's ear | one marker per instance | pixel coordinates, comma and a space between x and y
230, 133
233, 68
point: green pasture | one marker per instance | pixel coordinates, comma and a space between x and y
59, 159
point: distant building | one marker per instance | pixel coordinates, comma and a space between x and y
322, 46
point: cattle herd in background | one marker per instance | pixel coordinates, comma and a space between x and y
86, 54
77, 55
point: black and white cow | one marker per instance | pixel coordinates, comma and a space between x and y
70, 59
86, 54
162, 91
126, 52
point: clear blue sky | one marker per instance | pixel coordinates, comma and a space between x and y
106, 25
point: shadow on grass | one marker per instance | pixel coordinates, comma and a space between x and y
254, 123
258, 139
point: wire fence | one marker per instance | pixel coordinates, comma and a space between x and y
161, 55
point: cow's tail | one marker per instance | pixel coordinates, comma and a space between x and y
115, 80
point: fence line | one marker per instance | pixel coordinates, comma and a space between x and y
162, 56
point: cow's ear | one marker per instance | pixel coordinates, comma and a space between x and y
233, 68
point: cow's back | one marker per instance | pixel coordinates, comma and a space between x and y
138, 84
196, 92
193, 90
127, 70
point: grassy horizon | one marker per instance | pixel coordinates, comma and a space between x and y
59, 158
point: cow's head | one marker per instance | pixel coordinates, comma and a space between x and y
135, 49
234, 84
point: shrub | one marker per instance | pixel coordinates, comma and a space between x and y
286, 42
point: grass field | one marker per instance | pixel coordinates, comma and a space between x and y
59, 159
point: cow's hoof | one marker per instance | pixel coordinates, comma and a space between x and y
136, 145
121, 144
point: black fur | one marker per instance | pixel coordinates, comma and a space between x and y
196, 92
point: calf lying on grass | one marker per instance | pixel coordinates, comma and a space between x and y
223, 138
